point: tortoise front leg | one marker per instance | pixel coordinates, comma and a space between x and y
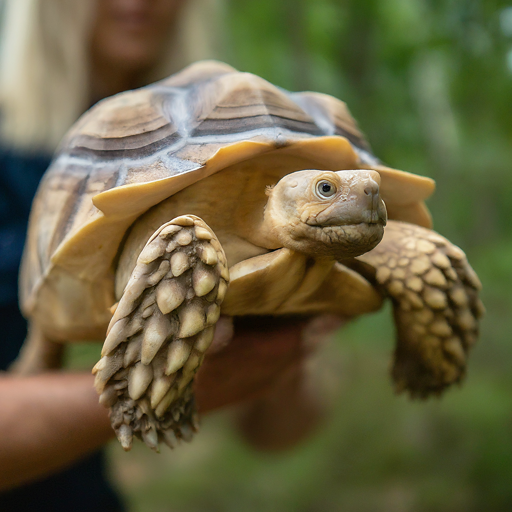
156, 340
436, 306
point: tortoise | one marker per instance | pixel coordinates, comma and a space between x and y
214, 191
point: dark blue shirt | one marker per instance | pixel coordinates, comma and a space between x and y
83, 487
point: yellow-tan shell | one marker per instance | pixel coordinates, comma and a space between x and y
136, 149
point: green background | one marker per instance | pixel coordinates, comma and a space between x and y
430, 83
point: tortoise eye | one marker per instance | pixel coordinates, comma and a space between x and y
325, 189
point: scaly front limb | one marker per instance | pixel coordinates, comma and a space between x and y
163, 324
436, 306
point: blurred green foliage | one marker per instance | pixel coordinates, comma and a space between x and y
430, 82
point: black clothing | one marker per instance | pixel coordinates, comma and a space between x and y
83, 486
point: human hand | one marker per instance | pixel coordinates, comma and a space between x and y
264, 364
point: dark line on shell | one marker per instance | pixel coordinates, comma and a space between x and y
114, 154
122, 143
234, 125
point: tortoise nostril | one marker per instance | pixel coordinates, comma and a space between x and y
371, 188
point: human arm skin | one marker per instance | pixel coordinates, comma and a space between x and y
271, 368
47, 421
50, 420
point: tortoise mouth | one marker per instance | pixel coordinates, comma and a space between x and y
345, 232
369, 216
342, 241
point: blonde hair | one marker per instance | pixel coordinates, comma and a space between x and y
44, 76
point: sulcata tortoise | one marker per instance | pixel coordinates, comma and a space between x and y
213, 192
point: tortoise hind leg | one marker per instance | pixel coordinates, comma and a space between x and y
157, 338
436, 306
38, 353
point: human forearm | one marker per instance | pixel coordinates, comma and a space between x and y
46, 422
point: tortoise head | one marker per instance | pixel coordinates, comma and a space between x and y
326, 214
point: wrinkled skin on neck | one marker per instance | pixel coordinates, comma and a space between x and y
326, 214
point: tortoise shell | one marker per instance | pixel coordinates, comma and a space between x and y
136, 149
